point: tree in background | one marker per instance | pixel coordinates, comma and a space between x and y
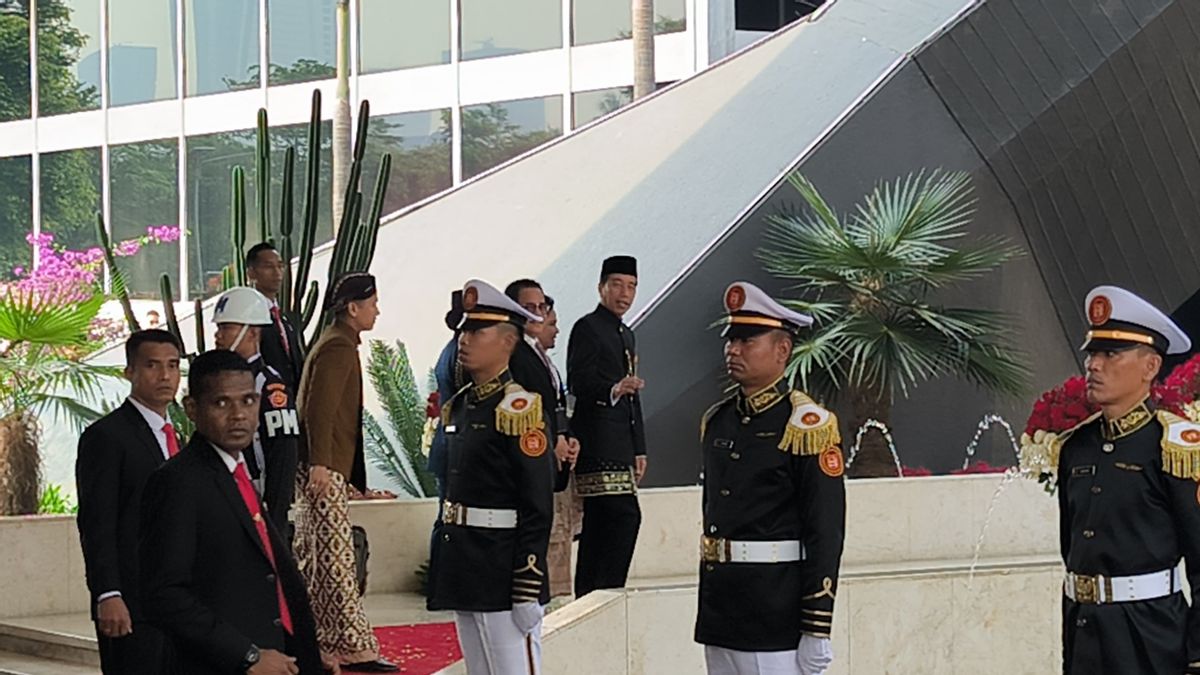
867, 277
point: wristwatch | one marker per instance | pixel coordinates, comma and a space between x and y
250, 659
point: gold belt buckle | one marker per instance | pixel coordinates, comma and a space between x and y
452, 512
1085, 589
715, 550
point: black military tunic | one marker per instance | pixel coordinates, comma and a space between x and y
498, 457
1122, 512
276, 443
772, 472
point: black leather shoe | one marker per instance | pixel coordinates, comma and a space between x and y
376, 666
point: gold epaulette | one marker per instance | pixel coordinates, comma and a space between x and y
1056, 443
811, 429
448, 404
712, 410
519, 411
1180, 446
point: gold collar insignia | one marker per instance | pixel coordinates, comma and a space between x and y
492, 387
761, 401
1128, 423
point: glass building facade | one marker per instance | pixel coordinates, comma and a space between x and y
140, 109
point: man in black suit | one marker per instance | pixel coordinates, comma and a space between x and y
117, 453
216, 576
280, 345
602, 374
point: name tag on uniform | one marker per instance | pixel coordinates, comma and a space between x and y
723, 443
1089, 470
1128, 467
478, 426
766, 434
451, 429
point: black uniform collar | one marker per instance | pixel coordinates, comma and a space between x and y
1128, 423
608, 314
493, 386
764, 399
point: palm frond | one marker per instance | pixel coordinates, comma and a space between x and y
391, 375
379, 449
31, 318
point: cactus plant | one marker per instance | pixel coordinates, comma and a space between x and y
120, 287
354, 246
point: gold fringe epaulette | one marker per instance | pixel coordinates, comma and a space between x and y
1057, 441
520, 411
1180, 446
811, 429
448, 404
708, 414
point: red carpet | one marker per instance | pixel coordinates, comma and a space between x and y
419, 649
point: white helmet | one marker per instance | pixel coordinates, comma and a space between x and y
242, 305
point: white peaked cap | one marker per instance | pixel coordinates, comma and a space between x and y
749, 306
1119, 319
484, 303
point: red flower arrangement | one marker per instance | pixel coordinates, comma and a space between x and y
1065, 406
433, 406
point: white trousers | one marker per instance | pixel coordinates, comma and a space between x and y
722, 661
492, 645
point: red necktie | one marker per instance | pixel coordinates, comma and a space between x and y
278, 319
172, 442
251, 498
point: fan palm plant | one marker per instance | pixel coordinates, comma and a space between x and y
398, 455
867, 278
41, 336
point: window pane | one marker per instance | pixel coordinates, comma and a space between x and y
499, 27
605, 20
296, 135
141, 52
494, 133
591, 105
68, 56
145, 195
14, 63
394, 35
419, 143
221, 45
210, 162
16, 213
70, 195
303, 39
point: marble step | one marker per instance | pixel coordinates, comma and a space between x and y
12, 663
48, 643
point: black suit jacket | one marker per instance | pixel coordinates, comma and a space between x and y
117, 454
290, 363
206, 580
601, 352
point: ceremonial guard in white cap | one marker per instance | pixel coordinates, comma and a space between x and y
241, 314
774, 505
489, 549
1129, 508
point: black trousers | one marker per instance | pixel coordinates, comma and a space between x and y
610, 529
280, 488
1147, 637
142, 652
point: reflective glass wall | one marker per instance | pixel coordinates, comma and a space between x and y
158, 75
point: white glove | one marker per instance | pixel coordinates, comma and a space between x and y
527, 616
814, 654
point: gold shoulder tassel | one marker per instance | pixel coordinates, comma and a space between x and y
811, 429
519, 412
1180, 446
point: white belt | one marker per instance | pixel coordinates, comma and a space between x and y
498, 519
1099, 589
728, 551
